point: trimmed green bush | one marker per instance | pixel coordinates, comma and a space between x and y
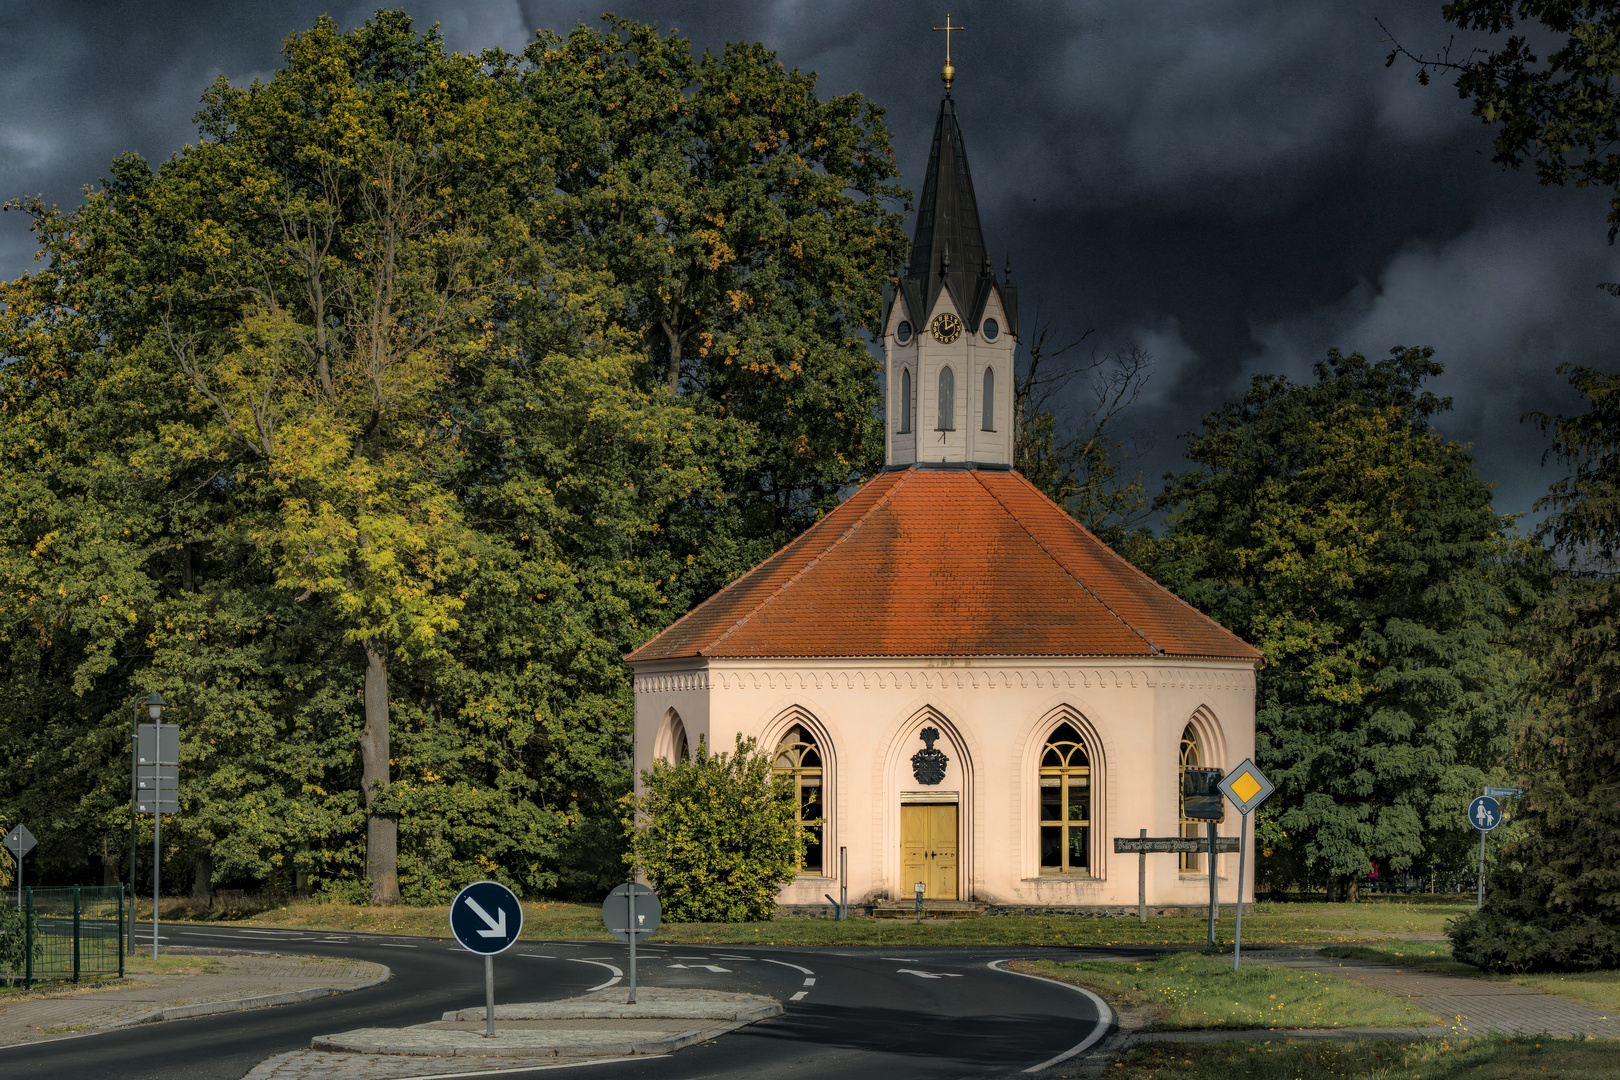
1516, 935
716, 836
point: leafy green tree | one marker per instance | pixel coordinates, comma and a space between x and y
1555, 906
312, 431
1330, 526
742, 217
717, 834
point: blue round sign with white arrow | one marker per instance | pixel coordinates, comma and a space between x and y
1484, 813
486, 918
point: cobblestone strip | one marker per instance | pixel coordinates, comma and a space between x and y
1468, 1006
323, 1065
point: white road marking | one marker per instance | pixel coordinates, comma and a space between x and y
930, 974
691, 958
617, 974
1105, 1016
538, 955
784, 963
694, 967
809, 982
391, 945
799, 995
733, 957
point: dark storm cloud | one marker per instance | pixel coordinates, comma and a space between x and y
1236, 186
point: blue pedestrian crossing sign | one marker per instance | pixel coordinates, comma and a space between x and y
486, 918
1484, 813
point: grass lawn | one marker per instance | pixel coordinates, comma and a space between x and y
1195, 990
1494, 1058
1281, 923
1597, 988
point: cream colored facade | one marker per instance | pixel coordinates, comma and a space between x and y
994, 716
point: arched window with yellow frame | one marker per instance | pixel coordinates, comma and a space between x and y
1065, 803
799, 758
1191, 758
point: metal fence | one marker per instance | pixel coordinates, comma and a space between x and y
64, 935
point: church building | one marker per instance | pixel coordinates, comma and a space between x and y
967, 688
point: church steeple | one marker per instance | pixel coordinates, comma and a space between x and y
950, 326
948, 245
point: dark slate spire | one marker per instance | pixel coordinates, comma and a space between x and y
948, 246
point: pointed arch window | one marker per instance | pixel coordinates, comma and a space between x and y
1065, 803
799, 758
989, 421
947, 400
1192, 757
905, 401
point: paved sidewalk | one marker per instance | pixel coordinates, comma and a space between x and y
238, 980
1469, 1006
596, 1027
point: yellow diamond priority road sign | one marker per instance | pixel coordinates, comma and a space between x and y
1247, 786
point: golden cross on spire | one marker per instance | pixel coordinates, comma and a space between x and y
948, 73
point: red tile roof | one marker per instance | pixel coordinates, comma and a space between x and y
934, 562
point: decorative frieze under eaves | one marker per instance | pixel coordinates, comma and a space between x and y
974, 678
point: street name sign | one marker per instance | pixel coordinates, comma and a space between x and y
1484, 813
1503, 792
486, 918
1181, 845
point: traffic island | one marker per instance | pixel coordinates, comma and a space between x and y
597, 1025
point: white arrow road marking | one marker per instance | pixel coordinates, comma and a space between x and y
706, 967
930, 974
496, 929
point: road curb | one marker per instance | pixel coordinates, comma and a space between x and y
258, 1001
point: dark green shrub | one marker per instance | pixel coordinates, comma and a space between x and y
1514, 935
716, 836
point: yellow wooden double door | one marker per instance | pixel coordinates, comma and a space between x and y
928, 849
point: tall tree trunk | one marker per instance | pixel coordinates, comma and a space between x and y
673, 375
202, 881
382, 830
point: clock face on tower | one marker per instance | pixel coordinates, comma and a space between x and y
947, 328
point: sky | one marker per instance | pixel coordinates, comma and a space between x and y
1235, 186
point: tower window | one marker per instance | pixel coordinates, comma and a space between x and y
947, 400
989, 421
992, 329
905, 401
902, 333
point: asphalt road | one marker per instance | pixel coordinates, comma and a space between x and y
895, 1014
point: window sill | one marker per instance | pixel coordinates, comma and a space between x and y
1065, 875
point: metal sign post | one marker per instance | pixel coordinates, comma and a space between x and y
19, 841
1484, 814
1247, 787
479, 920
631, 911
